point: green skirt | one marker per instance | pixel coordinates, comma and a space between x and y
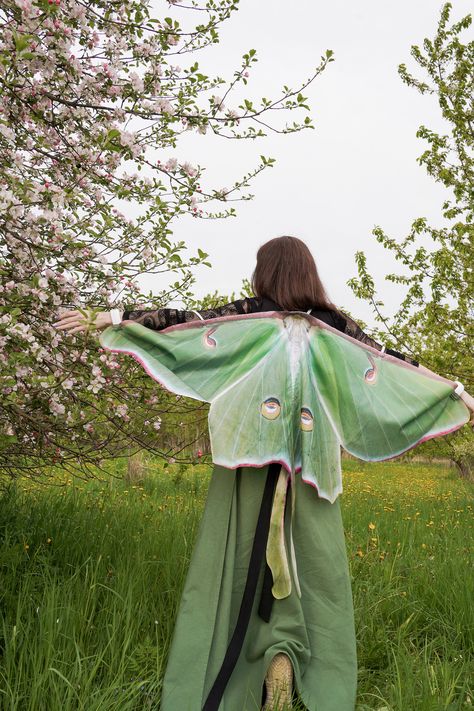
316, 630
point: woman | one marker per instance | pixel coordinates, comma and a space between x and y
309, 645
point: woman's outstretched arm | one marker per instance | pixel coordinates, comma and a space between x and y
157, 319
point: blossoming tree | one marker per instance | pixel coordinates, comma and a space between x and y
94, 97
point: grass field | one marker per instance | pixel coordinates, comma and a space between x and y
91, 577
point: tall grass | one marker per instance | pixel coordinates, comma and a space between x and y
91, 577
410, 535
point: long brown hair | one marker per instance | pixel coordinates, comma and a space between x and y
286, 273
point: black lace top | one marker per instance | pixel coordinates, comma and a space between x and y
157, 319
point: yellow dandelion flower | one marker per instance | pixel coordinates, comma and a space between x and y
371, 526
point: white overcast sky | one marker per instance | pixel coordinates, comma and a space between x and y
357, 169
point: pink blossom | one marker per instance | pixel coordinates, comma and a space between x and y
171, 165
25, 6
136, 81
57, 408
218, 102
189, 169
164, 106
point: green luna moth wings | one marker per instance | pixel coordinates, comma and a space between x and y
286, 387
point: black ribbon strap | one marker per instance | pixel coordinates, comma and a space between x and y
266, 597
258, 552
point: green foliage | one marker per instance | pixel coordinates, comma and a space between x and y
214, 299
434, 321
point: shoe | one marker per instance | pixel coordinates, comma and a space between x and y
279, 684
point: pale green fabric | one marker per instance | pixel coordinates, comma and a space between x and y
316, 630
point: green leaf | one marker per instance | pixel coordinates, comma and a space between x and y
22, 41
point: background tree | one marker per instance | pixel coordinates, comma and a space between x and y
435, 319
94, 97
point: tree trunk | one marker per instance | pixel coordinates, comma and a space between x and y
136, 467
465, 467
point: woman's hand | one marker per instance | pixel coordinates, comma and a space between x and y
75, 321
465, 397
